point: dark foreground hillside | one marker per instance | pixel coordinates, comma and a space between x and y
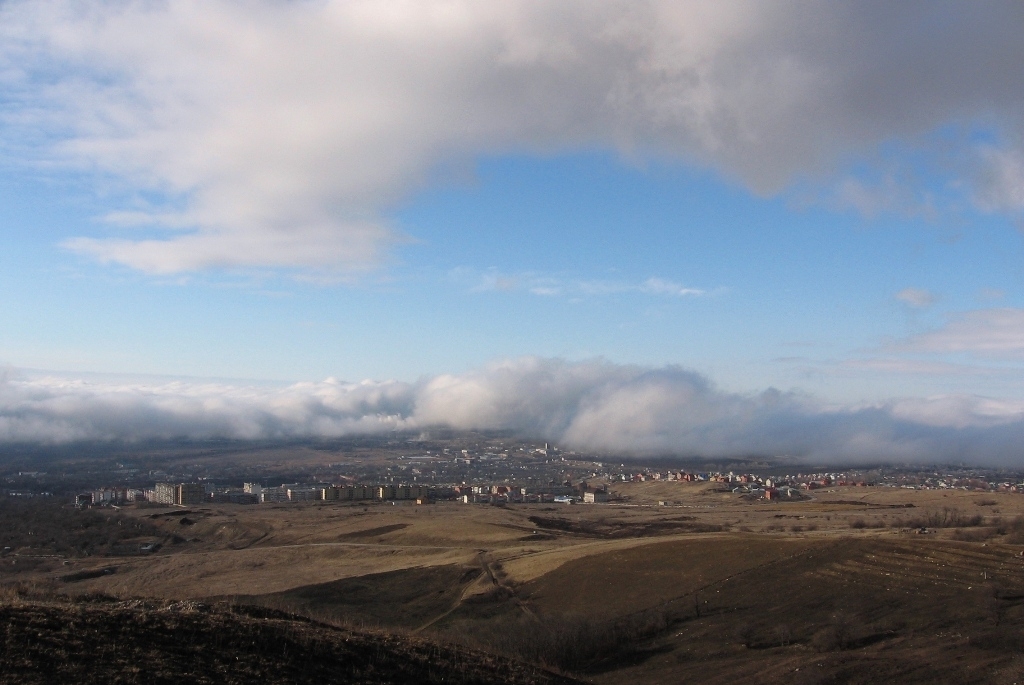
130, 642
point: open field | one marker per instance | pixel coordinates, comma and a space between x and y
705, 587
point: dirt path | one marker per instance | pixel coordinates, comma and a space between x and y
455, 605
485, 569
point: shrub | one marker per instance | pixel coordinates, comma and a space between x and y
974, 535
745, 632
947, 518
1014, 530
838, 634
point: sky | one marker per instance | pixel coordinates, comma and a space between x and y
644, 227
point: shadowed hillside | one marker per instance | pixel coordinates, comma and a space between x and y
133, 642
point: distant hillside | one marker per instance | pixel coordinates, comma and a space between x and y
135, 642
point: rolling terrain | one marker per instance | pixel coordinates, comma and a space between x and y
853, 585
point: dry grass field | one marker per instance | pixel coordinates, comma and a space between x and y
672, 582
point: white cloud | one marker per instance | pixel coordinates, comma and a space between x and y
958, 411
660, 286
916, 297
997, 333
652, 286
597, 405
281, 132
549, 286
1001, 183
891, 192
55, 409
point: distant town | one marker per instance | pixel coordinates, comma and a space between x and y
472, 469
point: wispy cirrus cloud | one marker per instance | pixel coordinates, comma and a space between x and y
492, 280
651, 286
916, 297
988, 333
660, 286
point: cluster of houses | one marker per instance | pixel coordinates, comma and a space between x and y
949, 482
744, 484
747, 483
514, 494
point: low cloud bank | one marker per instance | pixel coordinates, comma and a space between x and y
594, 405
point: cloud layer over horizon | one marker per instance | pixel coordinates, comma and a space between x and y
594, 405
281, 133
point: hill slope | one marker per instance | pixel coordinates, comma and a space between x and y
130, 642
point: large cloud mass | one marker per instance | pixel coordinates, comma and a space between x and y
279, 133
608, 408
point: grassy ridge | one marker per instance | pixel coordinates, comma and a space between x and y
132, 642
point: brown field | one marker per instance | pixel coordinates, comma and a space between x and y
707, 587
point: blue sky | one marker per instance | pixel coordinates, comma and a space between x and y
826, 201
552, 256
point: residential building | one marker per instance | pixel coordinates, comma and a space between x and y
189, 493
163, 493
